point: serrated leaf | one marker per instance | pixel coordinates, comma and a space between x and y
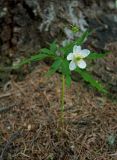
53, 47
82, 38
54, 67
87, 77
94, 55
37, 57
20, 64
46, 51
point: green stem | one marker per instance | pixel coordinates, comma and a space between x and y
62, 99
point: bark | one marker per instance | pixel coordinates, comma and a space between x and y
28, 25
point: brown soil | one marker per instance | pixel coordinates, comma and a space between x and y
30, 127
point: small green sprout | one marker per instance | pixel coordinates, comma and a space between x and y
75, 28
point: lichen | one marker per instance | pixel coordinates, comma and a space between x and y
78, 20
47, 18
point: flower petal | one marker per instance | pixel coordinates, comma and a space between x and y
72, 66
70, 56
76, 49
85, 53
81, 64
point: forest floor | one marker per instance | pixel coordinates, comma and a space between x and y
30, 127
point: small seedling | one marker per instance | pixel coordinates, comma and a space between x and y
71, 57
75, 28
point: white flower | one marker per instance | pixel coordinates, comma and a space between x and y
77, 58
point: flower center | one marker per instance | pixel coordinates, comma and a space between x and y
78, 58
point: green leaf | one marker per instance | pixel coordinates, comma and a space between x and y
53, 47
65, 70
87, 77
20, 64
94, 55
65, 67
67, 49
37, 57
46, 51
54, 67
68, 80
82, 38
